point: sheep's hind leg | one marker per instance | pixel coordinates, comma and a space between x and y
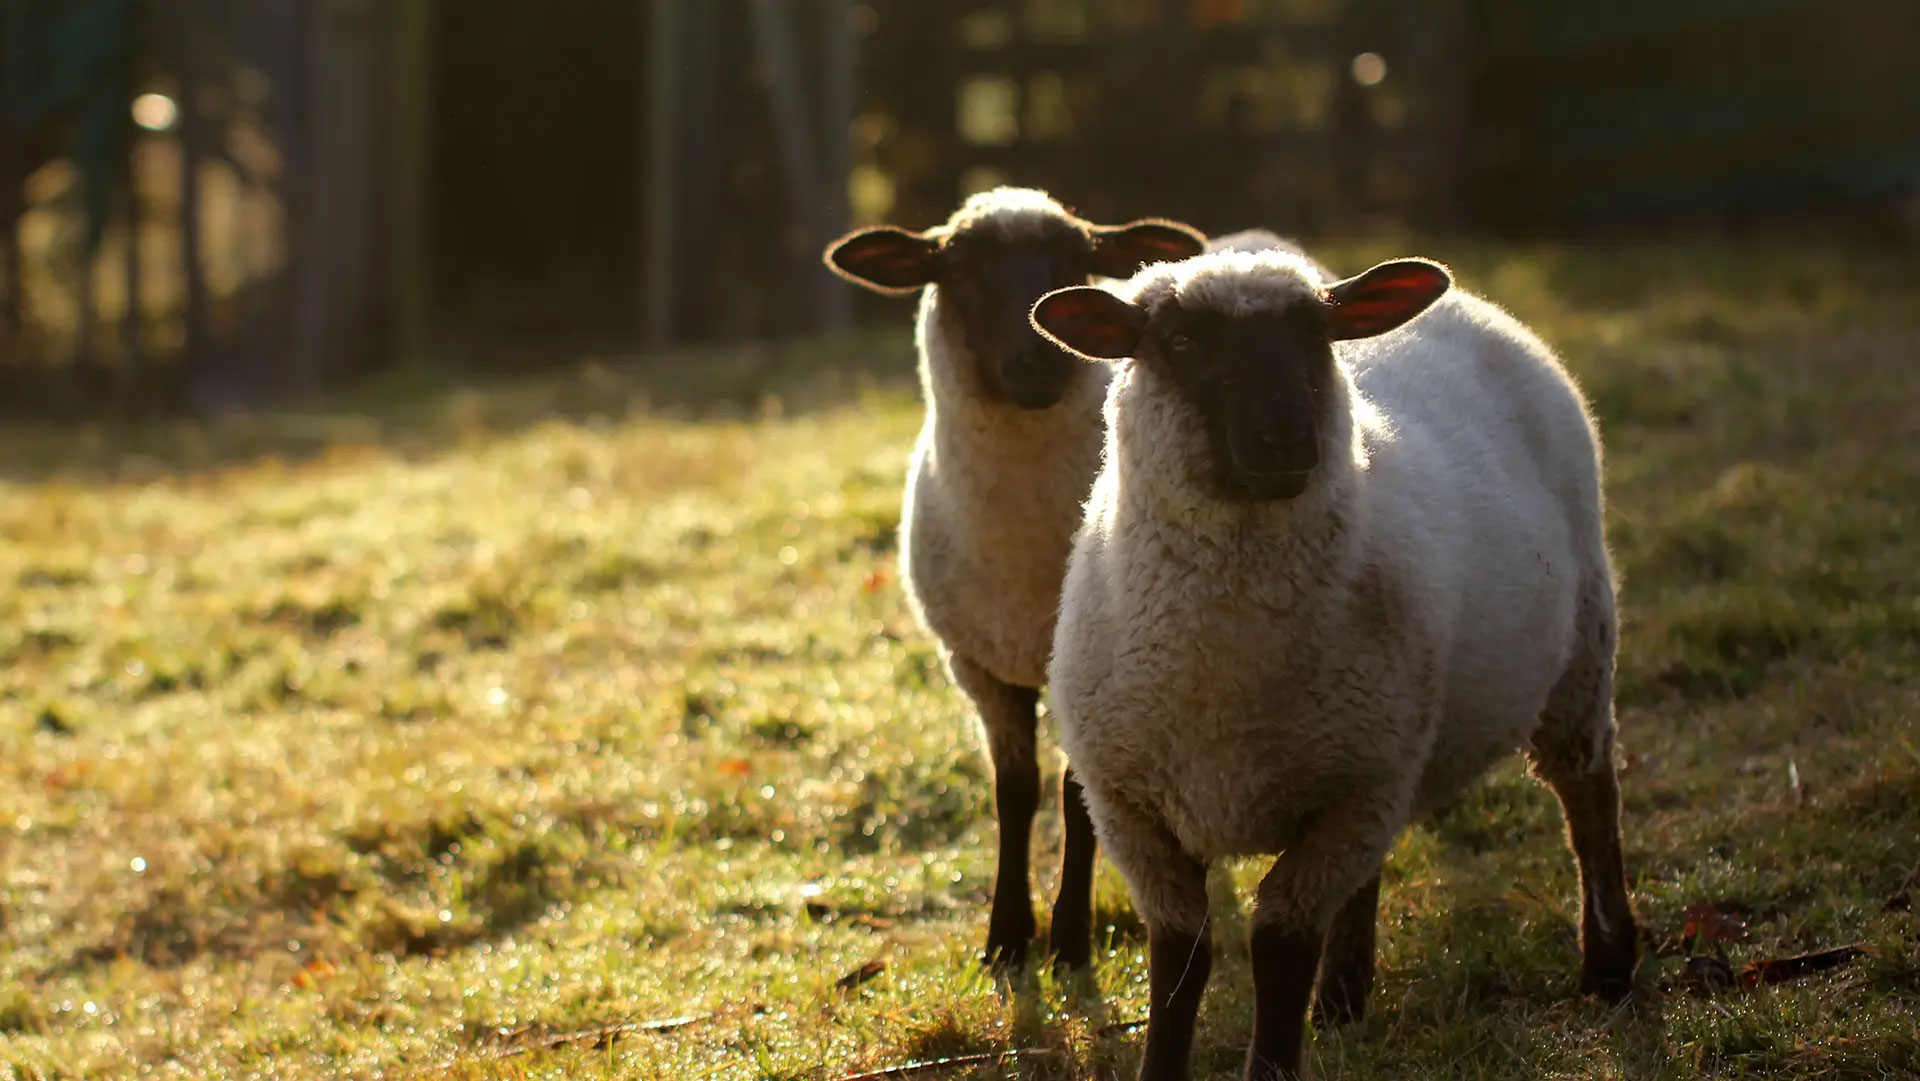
1608, 935
1573, 752
1070, 938
1346, 968
1010, 715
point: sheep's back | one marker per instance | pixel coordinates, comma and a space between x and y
1484, 492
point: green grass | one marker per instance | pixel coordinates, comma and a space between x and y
404, 736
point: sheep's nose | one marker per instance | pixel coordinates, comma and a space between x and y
1028, 355
1035, 374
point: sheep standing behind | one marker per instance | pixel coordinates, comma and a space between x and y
1253, 240
1332, 569
995, 486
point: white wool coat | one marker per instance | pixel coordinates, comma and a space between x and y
1233, 679
994, 494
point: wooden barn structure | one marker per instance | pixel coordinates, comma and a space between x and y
347, 182
205, 203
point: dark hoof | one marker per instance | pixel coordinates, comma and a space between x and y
1612, 988
1009, 933
1070, 951
1005, 957
1337, 1011
1607, 971
1070, 961
1610, 982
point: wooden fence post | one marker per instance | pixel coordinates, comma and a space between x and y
339, 70
412, 131
131, 354
838, 106
188, 59
13, 167
793, 140
660, 207
12, 203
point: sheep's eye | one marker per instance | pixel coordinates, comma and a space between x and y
1180, 344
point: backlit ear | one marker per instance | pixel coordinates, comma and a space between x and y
1384, 297
1090, 322
885, 259
1119, 251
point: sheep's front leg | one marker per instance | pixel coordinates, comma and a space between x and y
1285, 954
1178, 964
1329, 873
1169, 889
1010, 715
1070, 939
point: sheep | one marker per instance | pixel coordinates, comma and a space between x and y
994, 489
1265, 240
1337, 562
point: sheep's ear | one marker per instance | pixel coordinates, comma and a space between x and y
886, 259
1121, 250
1090, 322
1377, 300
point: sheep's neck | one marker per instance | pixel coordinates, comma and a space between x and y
1005, 449
1239, 540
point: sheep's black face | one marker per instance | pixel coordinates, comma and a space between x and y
991, 269
1260, 386
991, 281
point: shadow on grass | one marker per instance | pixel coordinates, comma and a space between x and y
1034, 1045
423, 411
374, 892
1499, 940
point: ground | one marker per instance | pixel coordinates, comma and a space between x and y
431, 733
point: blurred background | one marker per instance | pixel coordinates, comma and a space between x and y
209, 205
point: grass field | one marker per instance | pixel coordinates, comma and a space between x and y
442, 733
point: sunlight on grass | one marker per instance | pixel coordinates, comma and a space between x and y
435, 734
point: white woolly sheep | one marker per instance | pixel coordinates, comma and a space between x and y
1332, 569
995, 486
1265, 240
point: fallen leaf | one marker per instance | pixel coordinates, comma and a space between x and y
313, 972
1781, 969
1706, 974
876, 581
1708, 923
734, 767
860, 975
